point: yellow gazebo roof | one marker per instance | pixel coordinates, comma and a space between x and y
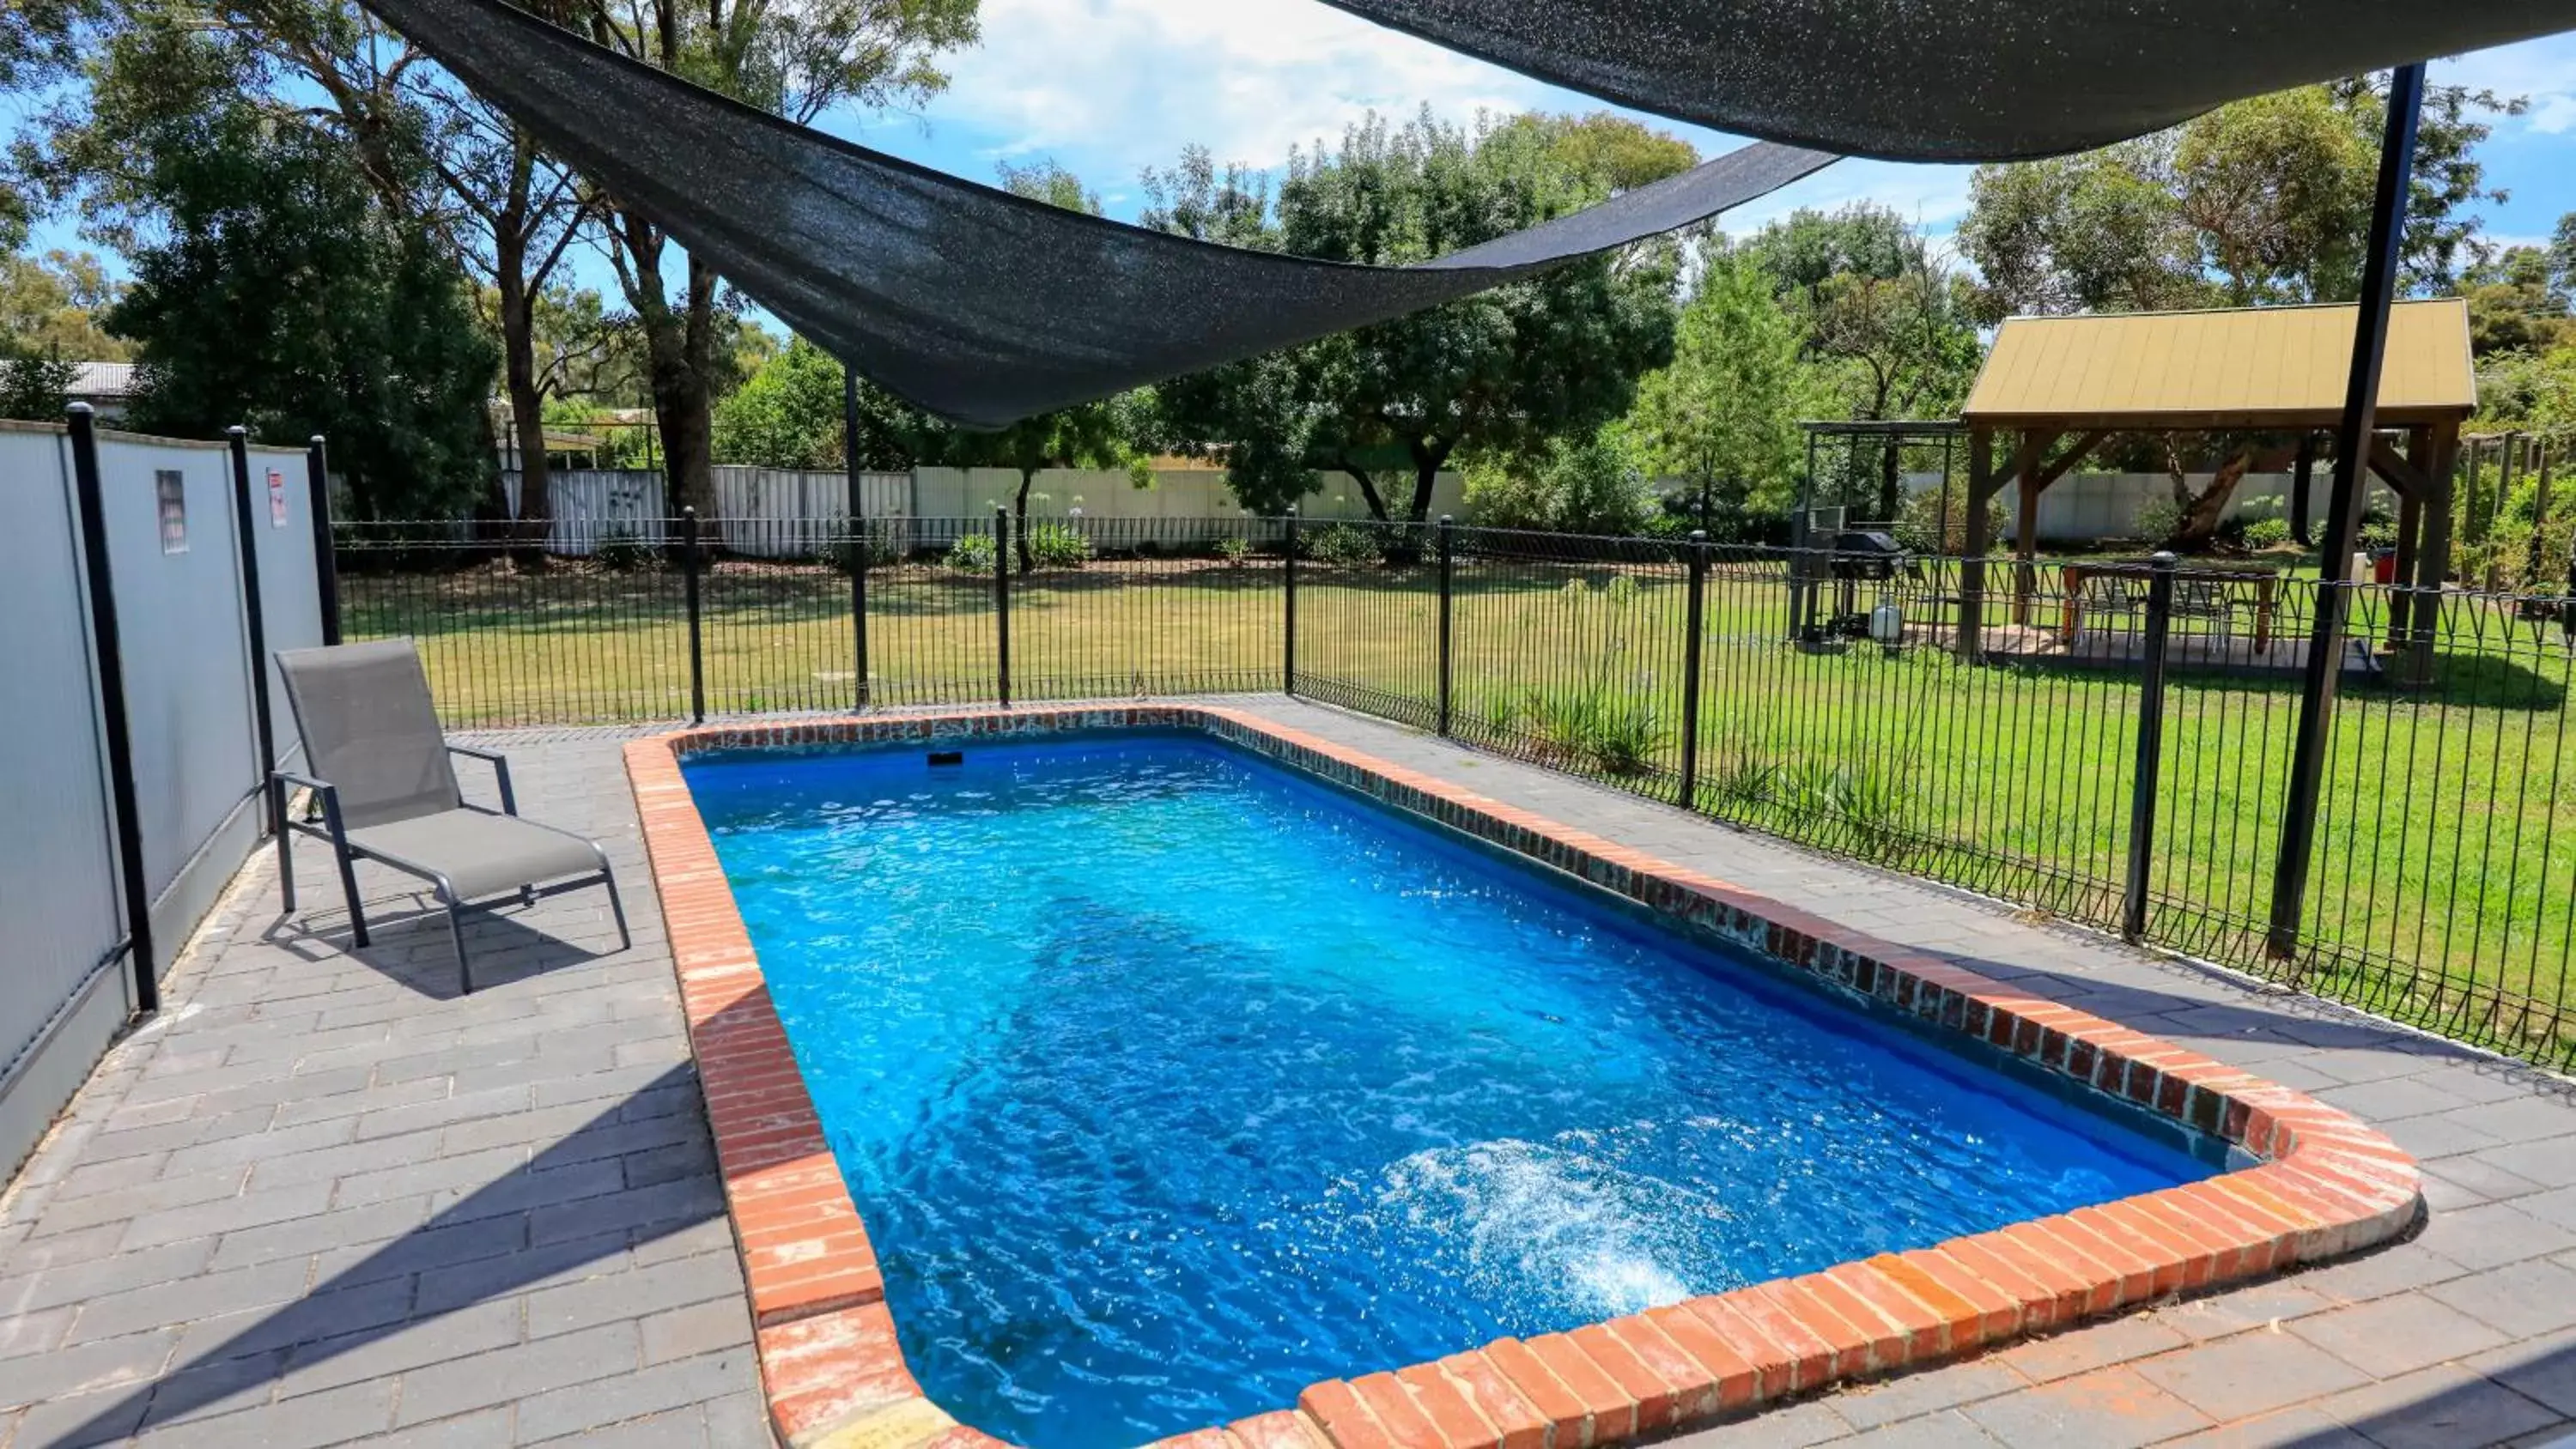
2269, 367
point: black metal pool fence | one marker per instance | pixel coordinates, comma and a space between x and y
2107, 741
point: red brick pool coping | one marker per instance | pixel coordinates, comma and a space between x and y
2323, 1185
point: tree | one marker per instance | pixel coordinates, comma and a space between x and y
1592, 484
35, 385
1724, 416
1503, 372
53, 302
789, 416
792, 58
39, 41
2517, 304
282, 294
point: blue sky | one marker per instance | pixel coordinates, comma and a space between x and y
1109, 87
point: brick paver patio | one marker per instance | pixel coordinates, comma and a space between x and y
323, 1199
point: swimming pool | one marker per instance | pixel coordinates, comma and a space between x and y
1171, 1082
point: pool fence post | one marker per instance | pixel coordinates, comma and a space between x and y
108, 654
326, 562
2151, 749
255, 625
1448, 559
1002, 603
2324, 665
689, 578
1288, 632
859, 546
1698, 624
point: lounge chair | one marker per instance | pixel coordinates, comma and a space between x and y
388, 793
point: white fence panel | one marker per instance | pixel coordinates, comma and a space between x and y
61, 997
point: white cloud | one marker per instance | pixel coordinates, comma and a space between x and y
2542, 70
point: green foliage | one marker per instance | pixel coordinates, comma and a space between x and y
2159, 519
1234, 549
972, 553
2265, 533
1591, 484
278, 291
1723, 418
789, 415
1344, 545
35, 386
53, 303
1924, 526
1610, 719
620, 551
2262, 201
1051, 183
1055, 546
1498, 373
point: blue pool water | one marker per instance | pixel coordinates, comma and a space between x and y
1170, 1082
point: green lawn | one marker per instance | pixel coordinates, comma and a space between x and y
2444, 888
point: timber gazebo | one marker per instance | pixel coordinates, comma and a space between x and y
2056, 388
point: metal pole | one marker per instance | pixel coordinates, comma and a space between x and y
253, 616
1002, 603
2151, 749
326, 562
109, 652
2302, 485
1697, 613
1288, 649
697, 650
859, 544
1448, 556
2352, 453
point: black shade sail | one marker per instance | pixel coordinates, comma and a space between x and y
1954, 80
979, 306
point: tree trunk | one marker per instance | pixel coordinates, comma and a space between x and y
1020, 522
527, 403
1890, 484
2203, 511
1368, 492
1427, 462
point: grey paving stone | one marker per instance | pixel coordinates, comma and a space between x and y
2250, 1374
349, 1160
254, 1209
483, 1429
380, 1353
2300, 1428
185, 1300
163, 1196
462, 1107
688, 1199
684, 1428
2081, 1350
36, 1332
632, 1396
2541, 1369
306, 1423
2397, 1335
521, 1271
547, 1189
2493, 1235
2439, 1408
439, 1390
634, 1292
79, 1421
466, 1171
1796, 1427
377, 1222
327, 1313
2109, 1408
83, 1368
2524, 1300
720, 1323
2550, 1162
1911, 1396
1948, 1429
104, 1272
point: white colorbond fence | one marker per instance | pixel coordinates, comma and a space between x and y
779, 513
174, 554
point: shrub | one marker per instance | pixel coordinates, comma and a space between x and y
620, 552
1234, 548
1614, 731
972, 553
2267, 533
1346, 545
1924, 525
1057, 546
842, 555
1575, 485
2159, 520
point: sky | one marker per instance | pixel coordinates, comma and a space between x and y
1108, 88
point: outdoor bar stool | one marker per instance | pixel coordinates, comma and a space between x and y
387, 787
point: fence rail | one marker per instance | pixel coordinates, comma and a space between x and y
2108, 741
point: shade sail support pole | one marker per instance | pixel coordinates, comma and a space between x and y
2343, 513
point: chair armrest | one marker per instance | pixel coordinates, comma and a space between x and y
323, 790
500, 768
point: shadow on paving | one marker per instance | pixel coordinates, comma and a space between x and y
410, 946
551, 1216
2518, 1399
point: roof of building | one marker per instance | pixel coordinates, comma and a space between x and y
102, 380
2266, 367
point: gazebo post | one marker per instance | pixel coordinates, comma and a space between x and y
2026, 491
1972, 564
2343, 513
2433, 555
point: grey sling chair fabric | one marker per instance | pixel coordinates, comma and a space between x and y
976, 305
383, 774
1954, 80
